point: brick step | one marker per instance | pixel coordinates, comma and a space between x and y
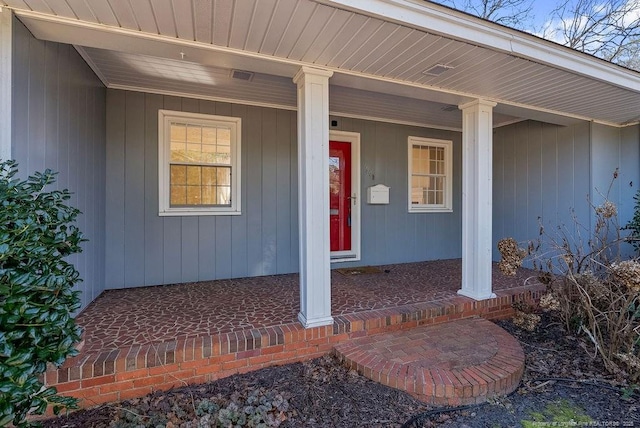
118, 374
455, 363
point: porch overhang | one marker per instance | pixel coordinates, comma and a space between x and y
379, 48
374, 59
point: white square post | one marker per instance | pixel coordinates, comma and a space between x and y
313, 197
477, 171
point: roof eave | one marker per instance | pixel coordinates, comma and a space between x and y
437, 19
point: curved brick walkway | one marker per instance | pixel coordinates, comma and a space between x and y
459, 362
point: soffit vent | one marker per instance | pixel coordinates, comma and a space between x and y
437, 69
242, 75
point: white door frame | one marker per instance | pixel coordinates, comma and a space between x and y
354, 254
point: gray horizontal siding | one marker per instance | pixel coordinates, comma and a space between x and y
58, 122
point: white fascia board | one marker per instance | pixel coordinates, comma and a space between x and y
91, 64
443, 21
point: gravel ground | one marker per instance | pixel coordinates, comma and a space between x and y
322, 393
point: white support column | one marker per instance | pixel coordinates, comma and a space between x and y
313, 197
6, 41
477, 172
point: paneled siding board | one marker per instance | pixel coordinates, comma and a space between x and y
239, 263
115, 184
283, 190
629, 170
58, 111
539, 176
534, 182
269, 192
153, 227
616, 148
264, 239
187, 249
134, 158
172, 226
390, 234
252, 203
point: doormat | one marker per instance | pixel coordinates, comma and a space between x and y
358, 270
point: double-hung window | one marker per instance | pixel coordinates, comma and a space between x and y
199, 164
430, 175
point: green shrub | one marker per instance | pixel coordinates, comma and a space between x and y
591, 287
634, 225
37, 299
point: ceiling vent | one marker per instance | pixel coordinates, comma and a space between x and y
242, 75
437, 69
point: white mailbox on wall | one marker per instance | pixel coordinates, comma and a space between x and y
378, 194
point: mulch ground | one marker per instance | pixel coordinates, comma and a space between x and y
561, 373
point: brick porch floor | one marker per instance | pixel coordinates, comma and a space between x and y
141, 339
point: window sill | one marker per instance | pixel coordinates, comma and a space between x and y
195, 212
430, 210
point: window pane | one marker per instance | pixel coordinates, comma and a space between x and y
178, 195
193, 175
223, 155
224, 195
224, 137
193, 195
179, 152
208, 195
193, 153
208, 135
194, 134
178, 174
209, 176
224, 176
418, 190
178, 132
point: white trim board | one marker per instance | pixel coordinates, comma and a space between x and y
6, 60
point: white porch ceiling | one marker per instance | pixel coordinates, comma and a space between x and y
378, 64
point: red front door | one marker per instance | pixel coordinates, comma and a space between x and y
340, 195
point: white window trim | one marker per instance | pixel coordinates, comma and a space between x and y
165, 117
448, 165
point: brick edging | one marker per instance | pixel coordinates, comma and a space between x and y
120, 374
